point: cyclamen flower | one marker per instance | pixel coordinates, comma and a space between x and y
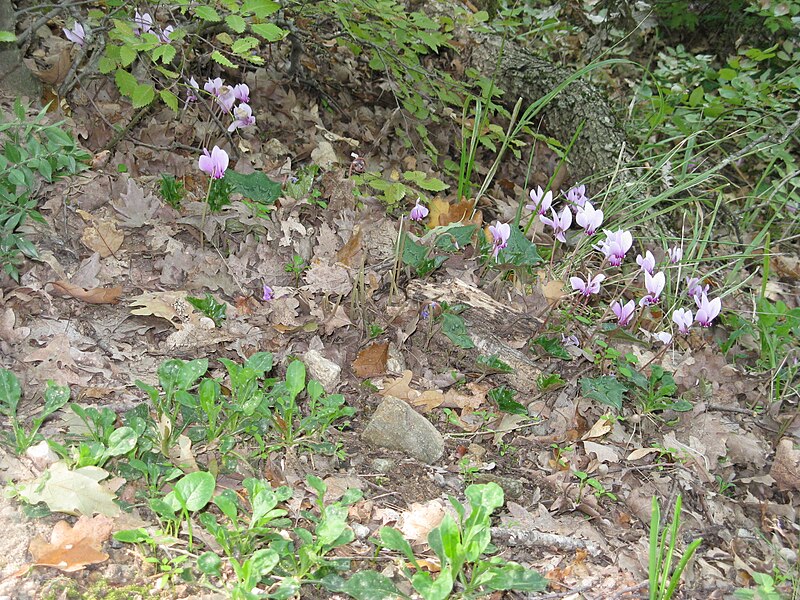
646, 262
76, 35
570, 340
577, 196
244, 117
654, 285
665, 337
223, 93
589, 218
616, 244
682, 317
589, 286
190, 92
694, 289
419, 212
165, 33
500, 234
707, 310
241, 92
559, 223
541, 200
624, 313
675, 254
215, 164
269, 293
142, 23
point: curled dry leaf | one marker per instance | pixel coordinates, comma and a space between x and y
399, 388
371, 360
71, 548
99, 295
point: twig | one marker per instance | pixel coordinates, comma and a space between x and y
112, 143
22, 37
530, 538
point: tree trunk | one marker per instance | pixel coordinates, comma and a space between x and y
15, 78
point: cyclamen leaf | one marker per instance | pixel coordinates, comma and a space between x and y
606, 390
426, 183
7, 36
369, 585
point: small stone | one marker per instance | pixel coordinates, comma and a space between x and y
323, 370
382, 465
361, 531
397, 426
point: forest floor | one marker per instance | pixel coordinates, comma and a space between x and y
105, 306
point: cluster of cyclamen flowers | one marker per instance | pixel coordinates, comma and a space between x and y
142, 23
614, 248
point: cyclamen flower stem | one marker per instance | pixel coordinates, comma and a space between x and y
657, 355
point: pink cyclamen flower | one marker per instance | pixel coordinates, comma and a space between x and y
241, 92
541, 200
500, 234
559, 223
616, 244
577, 197
707, 310
76, 35
223, 93
675, 254
665, 337
646, 262
589, 218
269, 294
191, 96
213, 86
654, 285
570, 340
694, 289
215, 163
682, 317
624, 313
589, 286
165, 33
142, 23
419, 212
244, 117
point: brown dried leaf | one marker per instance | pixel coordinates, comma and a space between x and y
8, 332
444, 213
399, 388
371, 360
328, 279
55, 74
171, 306
348, 254
71, 548
56, 363
136, 208
103, 237
97, 295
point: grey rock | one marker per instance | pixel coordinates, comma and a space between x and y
382, 465
397, 426
323, 370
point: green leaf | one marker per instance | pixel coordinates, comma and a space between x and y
260, 8
254, 186
295, 378
121, 441
453, 237
216, 311
606, 390
519, 251
143, 95
430, 184
244, 45
209, 563
7, 36
369, 585
170, 99
218, 57
196, 489
513, 576
125, 82
207, 13
505, 401
236, 23
132, 536
552, 346
10, 392
453, 327
260, 362
269, 31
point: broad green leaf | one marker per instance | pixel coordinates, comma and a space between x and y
132, 536
207, 13
10, 392
7, 36
260, 362
453, 237
254, 186
430, 184
260, 8
264, 560
295, 378
125, 82
196, 489
218, 57
190, 372
170, 99
369, 585
236, 23
121, 441
391, 538
143, 95
430, 589
512, 576
127, 54
209, 563
605, 389
519, 251
269, 31
453, 327
244, 45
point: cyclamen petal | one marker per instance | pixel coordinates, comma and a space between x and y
675, 254
646, 262
589, 218
244, 117
589, 286
707, 310
215, 163
560, 222
500, 233
541, 200
624, 313
682, 317
419, 212
76, 35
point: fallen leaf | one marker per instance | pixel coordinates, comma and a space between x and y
348, 254
77, 492
171, 306
103, 237
599, 429
399, 388
604, 452
71, 548
371, 360
444, 213
641, 453
553, 291
8, 332
56, 74
98, 295
136, 208
418, 521
328, 279
56, 363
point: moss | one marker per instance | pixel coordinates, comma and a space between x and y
100, 590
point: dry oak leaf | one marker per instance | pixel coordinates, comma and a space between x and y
57, 362
71, 548
8, 332
444, 213
102, 236
98, 295
328, 279
371, 360
136, 207
399, 388
171, 306
77, 492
